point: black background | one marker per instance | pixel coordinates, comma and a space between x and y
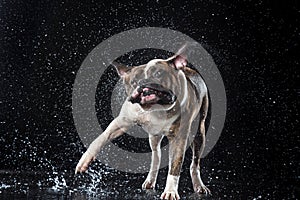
255, 45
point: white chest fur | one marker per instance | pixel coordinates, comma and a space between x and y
154, 121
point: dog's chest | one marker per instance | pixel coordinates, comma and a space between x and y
153, 122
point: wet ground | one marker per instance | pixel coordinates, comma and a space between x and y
109, 184
39, 186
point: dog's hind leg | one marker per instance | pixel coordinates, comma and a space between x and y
197, 148
155, 162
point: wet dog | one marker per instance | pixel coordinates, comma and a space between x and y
162, 87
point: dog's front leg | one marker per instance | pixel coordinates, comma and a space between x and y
116, 128
177, 146
155, 162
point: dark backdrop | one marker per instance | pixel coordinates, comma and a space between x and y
254, 44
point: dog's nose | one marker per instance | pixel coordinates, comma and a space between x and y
143, 82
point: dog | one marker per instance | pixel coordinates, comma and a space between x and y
162, 87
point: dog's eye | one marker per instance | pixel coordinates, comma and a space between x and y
158, 74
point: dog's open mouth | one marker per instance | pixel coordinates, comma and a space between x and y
152, 94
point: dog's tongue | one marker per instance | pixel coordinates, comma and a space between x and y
149, 95
139, 91
142, 94
148, 98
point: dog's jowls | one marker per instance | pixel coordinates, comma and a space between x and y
161, 88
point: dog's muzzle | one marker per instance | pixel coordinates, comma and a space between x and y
153, 93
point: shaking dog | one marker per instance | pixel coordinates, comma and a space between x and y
162, 87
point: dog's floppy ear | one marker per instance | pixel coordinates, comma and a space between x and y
121, 69
179, 60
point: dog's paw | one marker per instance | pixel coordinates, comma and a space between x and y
170, 195
84, 162
202, 189
148, 184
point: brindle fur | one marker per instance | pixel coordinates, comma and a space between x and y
192, 100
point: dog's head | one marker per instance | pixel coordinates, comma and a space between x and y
157, 82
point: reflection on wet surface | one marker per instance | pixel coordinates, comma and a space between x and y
20, 185
92, 185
